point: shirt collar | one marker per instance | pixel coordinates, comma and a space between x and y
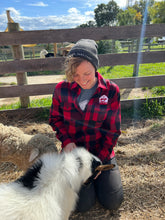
74, 85
101, 81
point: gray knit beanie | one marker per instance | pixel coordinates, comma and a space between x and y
86, 49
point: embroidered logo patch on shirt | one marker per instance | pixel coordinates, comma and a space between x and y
103, 100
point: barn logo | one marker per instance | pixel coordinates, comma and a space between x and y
103, 100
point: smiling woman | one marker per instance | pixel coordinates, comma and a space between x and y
83, 74
85, 111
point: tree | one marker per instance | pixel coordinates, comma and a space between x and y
158, 12
88, 24
129, 17
140, 6
106, 14
133, 16
107, 46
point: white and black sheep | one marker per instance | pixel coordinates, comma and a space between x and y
49, 189
22, 149
44, 53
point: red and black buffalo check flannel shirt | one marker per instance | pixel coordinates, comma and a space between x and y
97, 128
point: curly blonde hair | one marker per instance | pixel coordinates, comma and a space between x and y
71, 63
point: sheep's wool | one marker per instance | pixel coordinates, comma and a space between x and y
22, 149
48, 190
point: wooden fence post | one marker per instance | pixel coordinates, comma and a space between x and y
136, 66
18, 54
55, 49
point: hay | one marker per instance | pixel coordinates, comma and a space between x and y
140, 154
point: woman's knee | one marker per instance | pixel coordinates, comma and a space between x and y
111, 201
109, 189
87, 198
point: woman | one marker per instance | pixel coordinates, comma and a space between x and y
85, 112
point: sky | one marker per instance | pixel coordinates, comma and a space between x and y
50, 14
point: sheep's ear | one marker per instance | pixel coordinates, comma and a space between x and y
34, 153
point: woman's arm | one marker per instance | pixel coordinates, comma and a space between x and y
111, 126
56, 119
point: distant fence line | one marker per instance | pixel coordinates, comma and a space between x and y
31, 65
20, 66
129, 47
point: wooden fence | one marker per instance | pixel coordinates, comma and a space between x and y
34, 52
72, 35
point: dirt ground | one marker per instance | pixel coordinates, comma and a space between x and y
141, 158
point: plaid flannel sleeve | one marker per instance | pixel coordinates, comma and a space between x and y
56, 119
111, 127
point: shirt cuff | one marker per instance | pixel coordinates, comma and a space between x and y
67, 141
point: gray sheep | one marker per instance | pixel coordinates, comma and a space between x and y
22, 149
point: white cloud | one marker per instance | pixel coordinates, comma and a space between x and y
121, 3
13, 12
94, 3
38, 4
73, 11
88, 4
89, 13
71, 20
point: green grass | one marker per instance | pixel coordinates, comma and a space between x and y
116, 71
127, 70
148, 110
12, 83
153, 109
41, 102
144, 70
158, 90
44, 102
11, 106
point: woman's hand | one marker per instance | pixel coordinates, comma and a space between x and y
69, 147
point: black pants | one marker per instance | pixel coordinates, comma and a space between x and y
107, 188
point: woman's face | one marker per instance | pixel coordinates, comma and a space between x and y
85, 75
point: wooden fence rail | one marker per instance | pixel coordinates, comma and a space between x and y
57, 63
72, 35
45, 89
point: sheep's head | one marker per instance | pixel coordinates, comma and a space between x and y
43, 53
40, 144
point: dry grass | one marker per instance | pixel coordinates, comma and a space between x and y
140, 154
141, 157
